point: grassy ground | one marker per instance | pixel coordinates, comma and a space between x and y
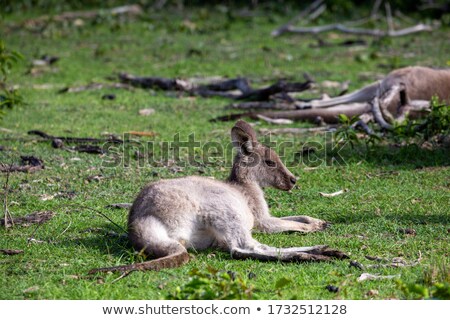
390, 187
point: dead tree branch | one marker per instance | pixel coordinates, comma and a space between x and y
316, 4
221, 88
131, 10
29, 164
328, 115
360, 31
46, 136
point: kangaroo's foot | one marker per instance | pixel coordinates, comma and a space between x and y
265, 253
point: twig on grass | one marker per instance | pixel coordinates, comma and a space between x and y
5, 201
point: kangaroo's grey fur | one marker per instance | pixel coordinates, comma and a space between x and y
170, 216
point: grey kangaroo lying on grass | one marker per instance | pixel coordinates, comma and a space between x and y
170, 216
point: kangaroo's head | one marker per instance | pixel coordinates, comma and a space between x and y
256, 162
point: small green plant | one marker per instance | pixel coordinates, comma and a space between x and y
8, 97
213, 285
7, 59
440, 290
348, 133
434, 284
435, 123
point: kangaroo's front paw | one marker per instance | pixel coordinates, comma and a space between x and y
313, 224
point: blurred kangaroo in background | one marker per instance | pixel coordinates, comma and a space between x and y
170, 216
402, 91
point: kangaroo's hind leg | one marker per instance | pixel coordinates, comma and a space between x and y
241, 245
148, 235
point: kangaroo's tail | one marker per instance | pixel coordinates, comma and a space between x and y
171, 261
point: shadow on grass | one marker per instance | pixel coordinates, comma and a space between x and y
409, 156
403, 219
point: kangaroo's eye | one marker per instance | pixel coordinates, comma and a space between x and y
270, 163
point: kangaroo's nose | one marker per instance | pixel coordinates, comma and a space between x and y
293, 180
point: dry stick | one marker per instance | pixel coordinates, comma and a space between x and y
375, 9
301, 15
5, 201
389, 19
316, 13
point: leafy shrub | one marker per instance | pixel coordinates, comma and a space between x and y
213, 285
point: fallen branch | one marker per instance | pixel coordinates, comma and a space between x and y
221, 88
131, 10
274, 121
311, 8
295, 130
154, 82
263, 105
11, 252
29, 164
38, 217
96, 86
328, 115
281, 86
73, 139
360, 31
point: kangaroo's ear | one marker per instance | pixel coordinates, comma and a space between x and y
243, 136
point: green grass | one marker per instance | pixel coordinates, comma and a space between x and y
390, 187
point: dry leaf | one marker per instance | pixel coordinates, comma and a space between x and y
368, 276
334, 194
31, 289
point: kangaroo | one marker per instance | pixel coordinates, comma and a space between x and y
405, 91
170, 216
398, 91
